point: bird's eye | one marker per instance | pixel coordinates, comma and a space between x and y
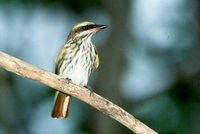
83, 27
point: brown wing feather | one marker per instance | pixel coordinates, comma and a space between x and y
96, 62
60, 57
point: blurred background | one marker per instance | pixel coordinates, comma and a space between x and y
149, 64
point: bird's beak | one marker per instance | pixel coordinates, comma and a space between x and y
98, 28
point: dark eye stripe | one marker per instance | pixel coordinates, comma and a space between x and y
83, 28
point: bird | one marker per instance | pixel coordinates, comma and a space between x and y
75, 61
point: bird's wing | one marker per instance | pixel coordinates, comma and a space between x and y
59, 61
96, 61
61, 57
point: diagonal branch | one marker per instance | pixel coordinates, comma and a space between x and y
21, 68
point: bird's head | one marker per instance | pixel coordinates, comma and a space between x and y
85, 29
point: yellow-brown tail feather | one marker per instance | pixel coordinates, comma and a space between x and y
61, 104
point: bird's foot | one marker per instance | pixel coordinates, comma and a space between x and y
68, 79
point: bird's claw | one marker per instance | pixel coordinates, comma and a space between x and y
70, 80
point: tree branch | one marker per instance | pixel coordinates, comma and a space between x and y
21, 68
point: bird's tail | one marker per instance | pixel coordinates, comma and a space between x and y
61, 104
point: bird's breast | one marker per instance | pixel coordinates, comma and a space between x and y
80, 65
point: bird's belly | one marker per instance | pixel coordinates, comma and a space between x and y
78, 73
78, 76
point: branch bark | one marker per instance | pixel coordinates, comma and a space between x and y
54, 81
